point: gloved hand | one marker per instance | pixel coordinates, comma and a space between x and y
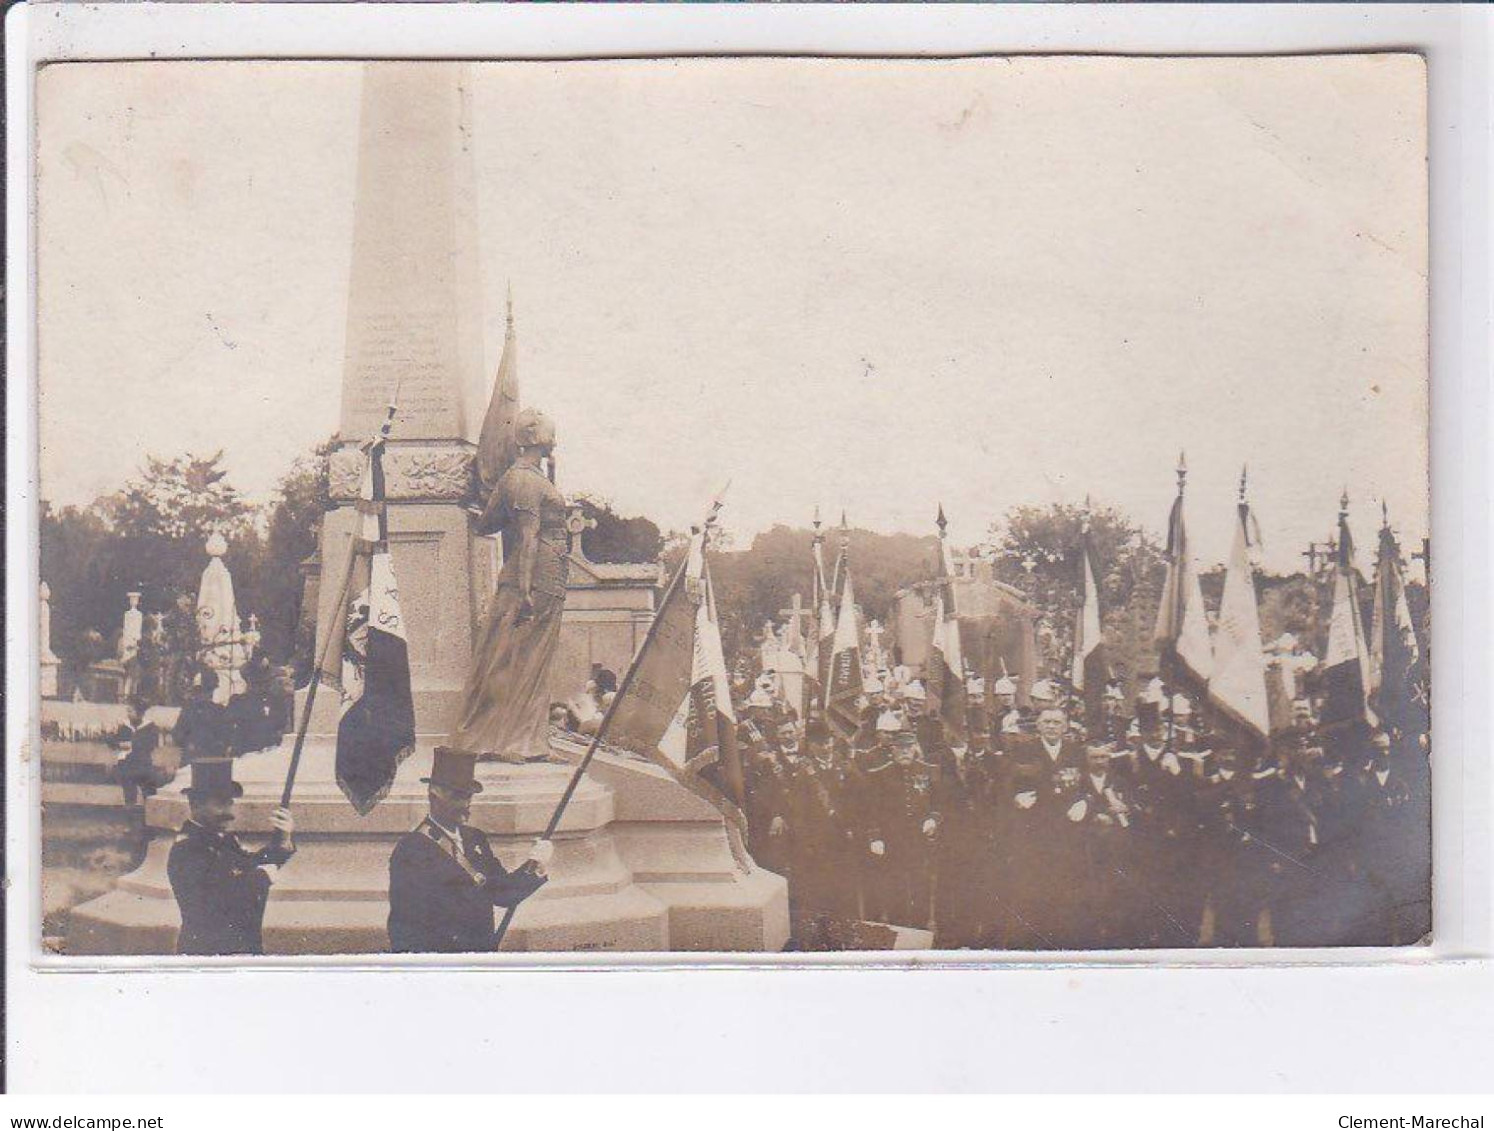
284, 824
878, 848
1026, 799
541, 852
1078, 809
929, 825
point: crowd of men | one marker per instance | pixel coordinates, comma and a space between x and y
1148, 828
255, 718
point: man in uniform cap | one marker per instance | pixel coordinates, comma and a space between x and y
220, 886
898, 825
444, 879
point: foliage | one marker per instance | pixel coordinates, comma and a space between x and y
1036, 549
616, 538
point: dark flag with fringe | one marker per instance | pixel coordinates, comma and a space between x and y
376, 730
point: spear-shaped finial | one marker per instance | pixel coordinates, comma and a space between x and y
1182, 470
941, 522
818, 537
510, 304
1343, 504
1384, 514
1244, 477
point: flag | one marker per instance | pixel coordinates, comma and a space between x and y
1346, 667
944, 681
1089, 670
824, 627
1398, 683
676, 708
843, 693
1237, 685
376, 728
497, 444
1182, 634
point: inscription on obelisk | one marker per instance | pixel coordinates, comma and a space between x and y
414, 331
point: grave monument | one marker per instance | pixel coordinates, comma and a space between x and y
641, 864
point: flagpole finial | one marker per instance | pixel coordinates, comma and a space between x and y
1343, 504
1182, 470
941, 522
1384, 514
1244, 478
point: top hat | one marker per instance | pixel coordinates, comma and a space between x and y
213, 778
454, 769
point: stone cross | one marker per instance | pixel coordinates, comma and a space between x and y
874, 633
1424, 556
797, 612
577, 524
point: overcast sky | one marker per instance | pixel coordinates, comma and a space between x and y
872, 285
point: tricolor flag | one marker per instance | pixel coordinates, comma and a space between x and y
376, 730
843, 693
497, 444
1089, 670
1346, 667
1398, 682
1237, 687
824, 624
675, 708
944, 682
1182, 634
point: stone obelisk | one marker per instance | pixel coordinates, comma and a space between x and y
414, 333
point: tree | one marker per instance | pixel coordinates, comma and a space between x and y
1036, 549
292, 532
616, 538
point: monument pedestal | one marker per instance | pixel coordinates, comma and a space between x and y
640, 863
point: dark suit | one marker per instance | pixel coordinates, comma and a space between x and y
441, 899
1038, 852
137, 772
220, 890
202, 730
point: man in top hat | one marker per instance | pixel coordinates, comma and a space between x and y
220, 886
444, 879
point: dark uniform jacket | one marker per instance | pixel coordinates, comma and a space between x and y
254, 721
138, 765
220, 890
441, 898
201, 730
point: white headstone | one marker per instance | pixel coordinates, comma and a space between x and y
51, 666
132, 629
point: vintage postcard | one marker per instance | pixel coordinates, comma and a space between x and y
734, 506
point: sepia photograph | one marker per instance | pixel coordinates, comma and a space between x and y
737, 506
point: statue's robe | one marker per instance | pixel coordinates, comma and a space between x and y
505, 706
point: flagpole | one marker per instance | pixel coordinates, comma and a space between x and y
622, 689
339, 610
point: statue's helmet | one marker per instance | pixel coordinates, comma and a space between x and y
533, 429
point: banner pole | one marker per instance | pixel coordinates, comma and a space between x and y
316, 677
622, 688
340, 610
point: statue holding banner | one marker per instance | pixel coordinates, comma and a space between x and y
505, 708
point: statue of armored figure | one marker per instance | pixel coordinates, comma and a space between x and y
505, 705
